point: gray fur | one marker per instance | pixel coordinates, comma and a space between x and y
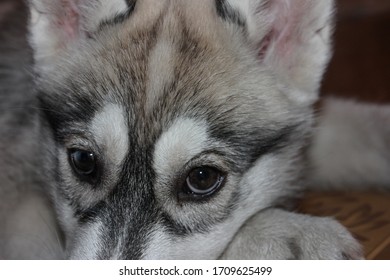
28, 226
276, 234
251, 118
347, 132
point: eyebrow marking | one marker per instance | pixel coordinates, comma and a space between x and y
255, 145
110, 131
228, 13
120, 17
183, 140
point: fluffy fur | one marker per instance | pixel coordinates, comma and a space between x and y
347, 132
154, 93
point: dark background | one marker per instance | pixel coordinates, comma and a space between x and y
360, 68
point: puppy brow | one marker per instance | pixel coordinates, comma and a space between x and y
251, 147
121, 17
227, 13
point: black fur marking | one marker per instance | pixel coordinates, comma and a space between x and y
173, 227
60, 116
227, 13
295, 250
197, 226
276, 141
346, 256
250, 147
131, 207
90, 214
180, 230
131, 4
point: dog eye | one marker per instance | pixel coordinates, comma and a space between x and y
82, 162
203, 181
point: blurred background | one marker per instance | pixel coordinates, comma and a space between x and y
360, 67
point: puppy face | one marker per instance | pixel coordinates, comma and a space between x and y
171, 125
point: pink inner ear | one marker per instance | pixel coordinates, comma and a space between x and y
69, 19
284, 16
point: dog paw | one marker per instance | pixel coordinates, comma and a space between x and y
325, 238
277, 234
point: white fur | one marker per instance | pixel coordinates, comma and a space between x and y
97, 11
89, 237
66, 217
111, 133
296, 38
261, 184
58, 25
351, 146
159, 244
210, 245
44, 41
181, 142
278, 235
260, 187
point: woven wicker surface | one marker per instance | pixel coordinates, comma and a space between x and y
366, 215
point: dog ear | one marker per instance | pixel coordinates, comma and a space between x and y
292, 38
59, 25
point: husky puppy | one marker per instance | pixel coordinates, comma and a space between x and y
167, 130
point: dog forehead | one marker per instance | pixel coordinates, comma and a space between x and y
183, 140
162, 72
